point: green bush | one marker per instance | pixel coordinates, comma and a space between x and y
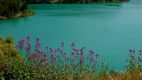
10, 7
7, 49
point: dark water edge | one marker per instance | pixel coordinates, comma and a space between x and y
72, 2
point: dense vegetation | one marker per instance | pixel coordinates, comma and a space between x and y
56, 64
71, 1
7, 49
18, 8
13, 8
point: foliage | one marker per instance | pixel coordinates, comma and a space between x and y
10, 7
14, 9
56, 64
134, 60
7, 49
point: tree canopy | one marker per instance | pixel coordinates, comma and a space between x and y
10, 7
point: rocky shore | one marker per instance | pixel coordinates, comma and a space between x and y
24, 13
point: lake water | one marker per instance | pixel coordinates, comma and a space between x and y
110, 29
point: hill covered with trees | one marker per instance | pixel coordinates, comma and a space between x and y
13, 8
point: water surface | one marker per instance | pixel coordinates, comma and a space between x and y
110, 29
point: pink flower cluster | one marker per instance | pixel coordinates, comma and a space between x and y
135, 58
57, 57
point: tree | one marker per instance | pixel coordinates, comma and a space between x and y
10, 7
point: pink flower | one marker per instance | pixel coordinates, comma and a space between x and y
37, 39
52, 55
132, 51
43, 54
28, 48
51, 50
28, 37
58, 49
77, 52
140, 51
91, 59
94, 61
38, 50
53, 60
20, 44
44, 60
82, 59
61, 51
38, 42
21, 41
74, 49
91, 52
132, 57
32, 55
82, 50
72, 53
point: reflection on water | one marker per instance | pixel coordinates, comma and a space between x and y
111, 29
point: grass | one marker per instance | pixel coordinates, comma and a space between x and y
57, 64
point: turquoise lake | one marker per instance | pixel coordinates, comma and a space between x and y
110, 29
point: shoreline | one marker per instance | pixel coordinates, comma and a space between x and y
84, 3
25, 13
76, 2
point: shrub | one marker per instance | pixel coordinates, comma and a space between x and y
7, 53
7, 49
57, 63
9, 7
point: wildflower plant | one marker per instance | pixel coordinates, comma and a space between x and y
76, 62
134, 59
59, 64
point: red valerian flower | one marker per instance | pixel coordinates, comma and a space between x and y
91, 51
82, 59
44, 60
28, 37
140, 52
32, 55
